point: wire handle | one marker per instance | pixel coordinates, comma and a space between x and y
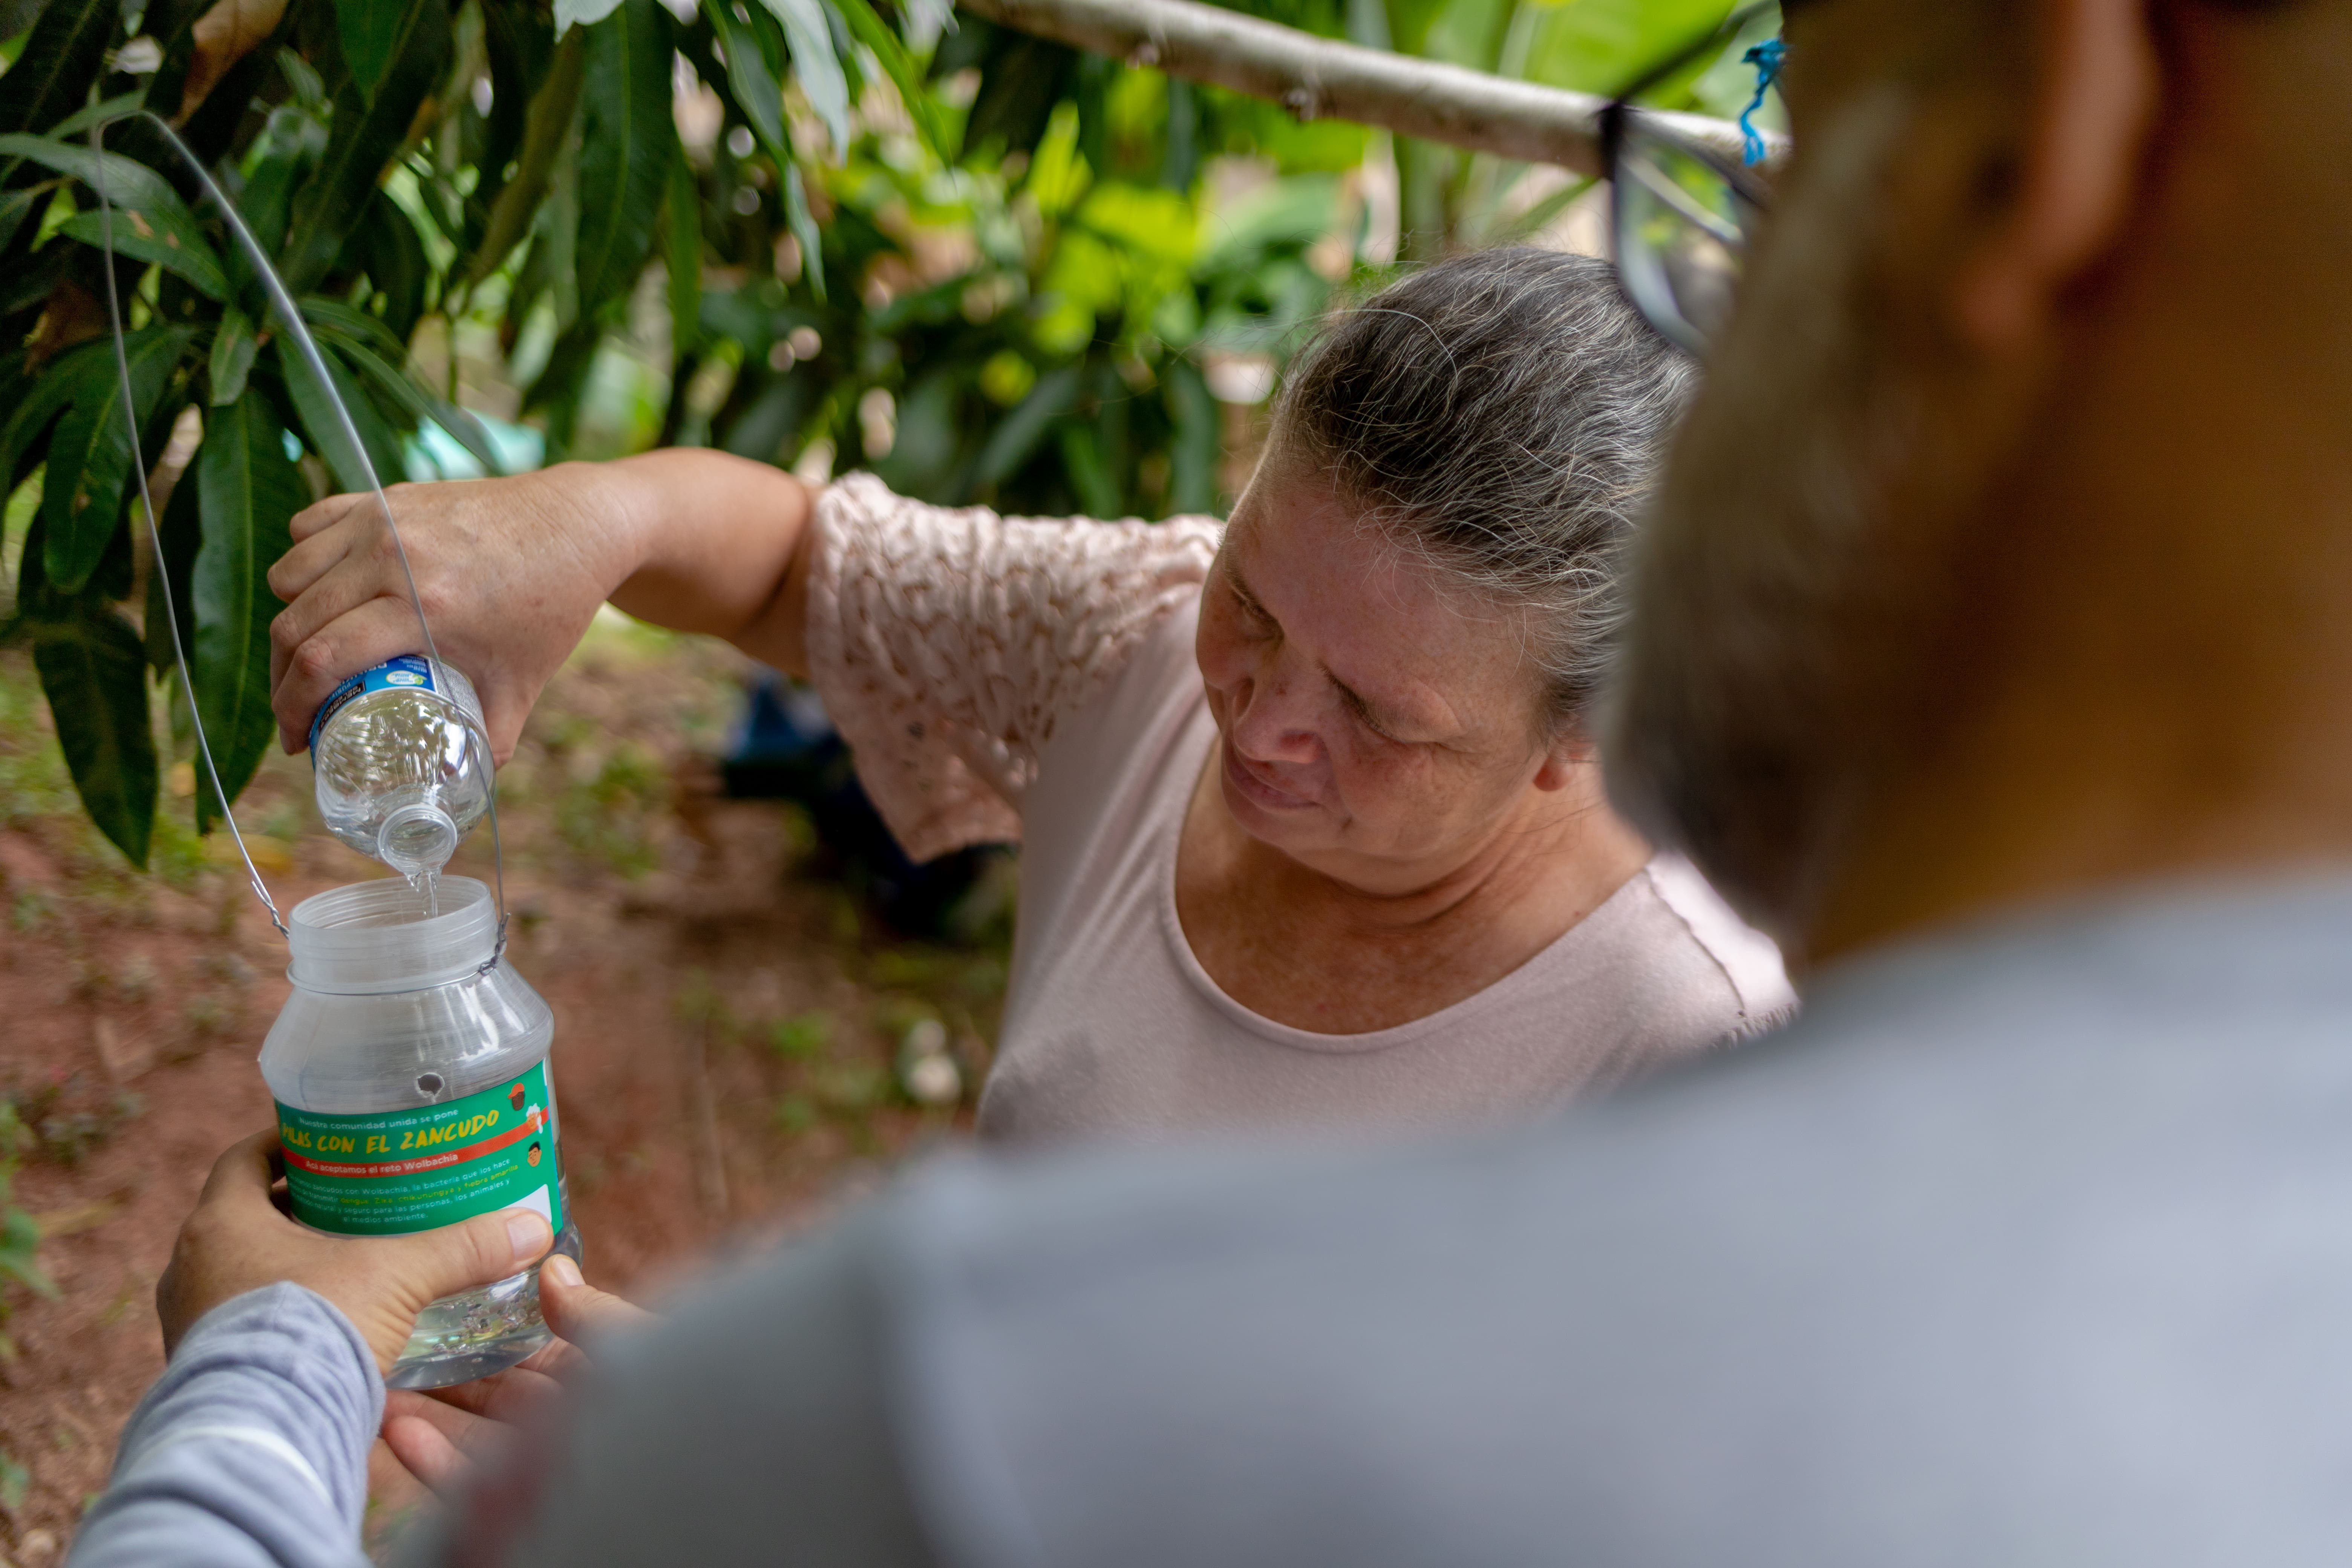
290, 317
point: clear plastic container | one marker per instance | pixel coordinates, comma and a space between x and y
412, 1087
401, 762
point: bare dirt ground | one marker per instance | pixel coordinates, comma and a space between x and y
727, 1028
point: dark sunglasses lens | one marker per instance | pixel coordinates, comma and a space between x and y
1682, 237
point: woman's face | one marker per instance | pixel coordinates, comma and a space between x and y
1377, 724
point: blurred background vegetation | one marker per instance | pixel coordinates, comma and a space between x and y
826, 234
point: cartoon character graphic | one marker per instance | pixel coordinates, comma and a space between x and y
514, 1097
533, 1155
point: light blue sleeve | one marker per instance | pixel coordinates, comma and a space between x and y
250, 1450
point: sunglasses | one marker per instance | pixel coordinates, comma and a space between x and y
1684, 206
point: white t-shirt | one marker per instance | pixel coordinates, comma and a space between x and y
1005, 678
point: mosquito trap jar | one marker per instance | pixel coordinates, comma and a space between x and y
409, 1065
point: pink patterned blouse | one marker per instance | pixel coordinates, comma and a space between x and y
1003, 678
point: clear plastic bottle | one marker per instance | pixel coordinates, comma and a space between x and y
402, 763
411, 1087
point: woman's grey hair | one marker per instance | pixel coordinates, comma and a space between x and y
1500, 416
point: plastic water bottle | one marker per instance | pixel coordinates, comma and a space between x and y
402, 763
410, 1073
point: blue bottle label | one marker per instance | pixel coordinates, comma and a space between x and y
409, 670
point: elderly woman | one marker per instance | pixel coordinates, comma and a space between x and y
1312, 828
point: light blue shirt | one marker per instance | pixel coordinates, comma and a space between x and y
2030, 1244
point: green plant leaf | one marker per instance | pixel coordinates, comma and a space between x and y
20, 1246
248, 490
168, 239
369, 32
545, 130
151, 222
74, 124
682, 258
61, 57
385, 247
753, 86
22, 439
810, 38
180, 533
94, 673
367, 134
803, 223
628, 139
233, 348
586, 12
905, 75
18, 205
412, 399
315, 410
15, 1479
94, 445
1014, 441
1199, 443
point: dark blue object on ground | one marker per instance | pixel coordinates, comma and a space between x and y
787, 749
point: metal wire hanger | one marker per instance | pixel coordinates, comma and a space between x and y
290, 316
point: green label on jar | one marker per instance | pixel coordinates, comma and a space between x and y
388, 1173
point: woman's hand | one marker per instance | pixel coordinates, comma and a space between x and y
509, 570
236, 1241
441, 1435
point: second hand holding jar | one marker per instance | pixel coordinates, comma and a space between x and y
410, 1073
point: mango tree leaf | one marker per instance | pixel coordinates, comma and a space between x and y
1199, 441
414, 400
156, 235
924, 21
151, 222
905, 75
89, 456
180, 534
74, 124
22, 437
1604, 46
233, 348
58, 62
386, 246
17, 205
810, 38
129, 182
628, 139
369, 32
248, 490
546, 129
367, 133
1014, 441
315, 408
94, 673
803, 223
587, 12
682, 258
353, 326
750, 83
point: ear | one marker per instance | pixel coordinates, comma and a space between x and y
2092, 108
1568, 759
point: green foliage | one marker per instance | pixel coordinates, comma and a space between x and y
20, 1264
247, 492
986, 266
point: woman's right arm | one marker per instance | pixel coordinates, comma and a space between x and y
511, 571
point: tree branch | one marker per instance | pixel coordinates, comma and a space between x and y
1319, 78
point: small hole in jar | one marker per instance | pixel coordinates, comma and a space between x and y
428, 1083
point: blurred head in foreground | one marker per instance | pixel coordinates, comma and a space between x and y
2006, 552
